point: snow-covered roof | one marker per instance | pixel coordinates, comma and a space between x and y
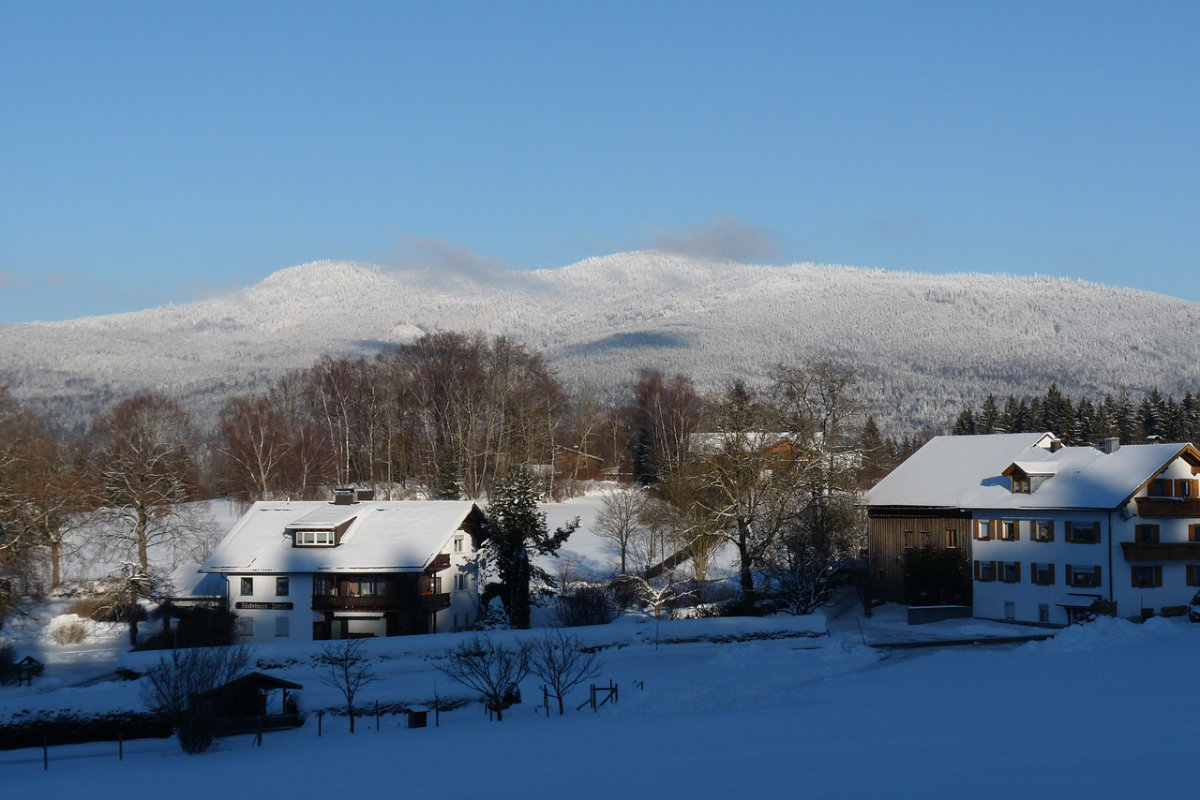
967, 472
383, 536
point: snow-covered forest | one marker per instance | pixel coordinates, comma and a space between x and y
924, 345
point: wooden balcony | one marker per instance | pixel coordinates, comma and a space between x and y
1168, 506
435, 602
328, 602
440, 562
1169, 551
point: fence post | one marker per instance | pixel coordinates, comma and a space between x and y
320, 719
546, 700
377, 715
45, 754
120, 746
258, 738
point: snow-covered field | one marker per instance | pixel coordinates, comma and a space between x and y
708, 708
1103, 710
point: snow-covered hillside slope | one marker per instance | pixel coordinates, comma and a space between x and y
924, 344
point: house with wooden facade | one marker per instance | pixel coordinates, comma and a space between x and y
1024, 529
352, 568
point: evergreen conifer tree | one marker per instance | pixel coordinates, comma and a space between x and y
516, 532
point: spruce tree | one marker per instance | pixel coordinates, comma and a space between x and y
517, 532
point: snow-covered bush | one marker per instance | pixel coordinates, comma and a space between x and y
68, 629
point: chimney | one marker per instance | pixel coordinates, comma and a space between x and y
365, 495
343, 497
1111, 445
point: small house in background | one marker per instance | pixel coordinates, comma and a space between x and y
573, 464
1021, 528
255, 701
350, 568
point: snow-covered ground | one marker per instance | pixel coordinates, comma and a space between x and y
708, 708
1102, 710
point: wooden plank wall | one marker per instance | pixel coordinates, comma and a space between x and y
885, 543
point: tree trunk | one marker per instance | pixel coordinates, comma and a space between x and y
55, 565
141, 534
749, 600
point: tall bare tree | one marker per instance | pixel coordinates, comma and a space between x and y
142, 457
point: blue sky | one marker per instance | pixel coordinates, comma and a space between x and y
161, 152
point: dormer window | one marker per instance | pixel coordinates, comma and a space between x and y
1025, 478
323, 538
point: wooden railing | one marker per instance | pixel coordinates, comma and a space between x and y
1168, 551
330, 602
1168, 506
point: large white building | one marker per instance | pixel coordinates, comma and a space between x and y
1049, 532
351, 568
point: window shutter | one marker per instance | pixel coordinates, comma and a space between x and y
1133, 576
1096, 572
1050, 531
1018, 572
1016, 530
1051, 575
1158, 575
976, 570
1070, 575
1067, 530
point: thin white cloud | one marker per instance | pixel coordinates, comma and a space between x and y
721, 238
448, 261
12, 280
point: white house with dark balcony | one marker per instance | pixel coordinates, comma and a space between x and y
352, 568
1046, 533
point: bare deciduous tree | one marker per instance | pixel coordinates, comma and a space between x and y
494, 670
559, 659
620, 520
179, 687
347, 669
142, 457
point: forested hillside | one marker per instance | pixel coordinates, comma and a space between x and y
925, 346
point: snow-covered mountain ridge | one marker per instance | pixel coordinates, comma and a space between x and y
925, 344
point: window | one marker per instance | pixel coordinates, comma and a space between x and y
1043, 613
314, 539
458, 544
1145, 534
1185, 488
281, 587
323, 585
1146, 577
1194, 533
1083, 532
951, 539
1160, 487
908, 539
985, 571
1083, 577
1021, 484
363, 587
1010, 610
1042, 574
245, 626
1010, 572
247, 587
1010, 531
983, 529
1043, 530
460, 582
1193, 574
926, 539
282, 627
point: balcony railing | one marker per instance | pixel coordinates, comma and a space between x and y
435, 602
1163, 551
1168, 506
330, 602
